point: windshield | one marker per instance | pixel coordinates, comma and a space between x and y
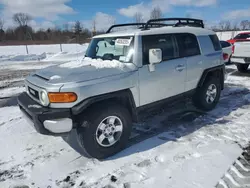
242, 36
112, 48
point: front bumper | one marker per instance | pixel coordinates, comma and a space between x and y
47, 121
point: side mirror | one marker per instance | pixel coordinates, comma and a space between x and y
155, 57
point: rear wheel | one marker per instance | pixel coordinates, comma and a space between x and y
106, 132
208, 95
242, 67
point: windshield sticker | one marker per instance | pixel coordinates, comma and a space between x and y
123, 42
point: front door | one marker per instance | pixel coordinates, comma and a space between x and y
169, 76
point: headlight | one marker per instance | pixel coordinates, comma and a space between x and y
44, 98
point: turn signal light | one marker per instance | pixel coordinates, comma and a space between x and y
62, 97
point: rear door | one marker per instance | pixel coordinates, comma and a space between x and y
189, 48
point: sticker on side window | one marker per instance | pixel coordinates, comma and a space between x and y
123, 42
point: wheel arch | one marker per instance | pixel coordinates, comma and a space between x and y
122, 97
218, 71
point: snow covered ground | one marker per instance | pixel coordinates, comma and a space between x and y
42, 52
189, 152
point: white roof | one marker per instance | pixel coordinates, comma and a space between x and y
162, 30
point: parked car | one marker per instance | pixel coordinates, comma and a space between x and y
241, 55
240, 37
124, 74
227, 51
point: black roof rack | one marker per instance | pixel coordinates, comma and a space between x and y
123, 25
155, 23
180, 22
142, 25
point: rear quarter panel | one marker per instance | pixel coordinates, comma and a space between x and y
211, 58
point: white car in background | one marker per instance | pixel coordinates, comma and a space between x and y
241, 55
227, 51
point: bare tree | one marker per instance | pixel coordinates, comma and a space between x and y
244, 24
78, 30
66, 27
156, 13
94, 27
221, 25
1, 24
228, 25
22, 19
78, 27
138, 17
235, 26
225, 25
1, 29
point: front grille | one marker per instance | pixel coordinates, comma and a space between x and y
33, 92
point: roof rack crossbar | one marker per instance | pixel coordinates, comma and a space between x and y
181, 21
142, 25
123, 25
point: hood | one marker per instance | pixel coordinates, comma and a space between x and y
84, 70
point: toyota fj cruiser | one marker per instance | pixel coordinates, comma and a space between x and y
124, 73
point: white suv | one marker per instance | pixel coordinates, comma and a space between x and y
123, 74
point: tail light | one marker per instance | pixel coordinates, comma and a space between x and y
225, 56
233, 48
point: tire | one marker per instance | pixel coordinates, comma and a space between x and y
201, 99
93, 132
229, 61
242, 67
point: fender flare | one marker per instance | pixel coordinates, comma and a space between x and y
124, 95
220, 68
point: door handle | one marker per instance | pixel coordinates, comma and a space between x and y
180, 68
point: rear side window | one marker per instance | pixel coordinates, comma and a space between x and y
188, 45
216, 42
225, 44
243, 36
165, 42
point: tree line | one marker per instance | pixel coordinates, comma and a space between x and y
23, 33
232, 26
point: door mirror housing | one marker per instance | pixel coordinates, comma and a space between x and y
155, 57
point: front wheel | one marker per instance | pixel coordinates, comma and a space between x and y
208, 95
242, 67
106, 132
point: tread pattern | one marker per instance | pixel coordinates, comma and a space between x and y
238, 175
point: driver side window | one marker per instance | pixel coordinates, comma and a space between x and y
165, 42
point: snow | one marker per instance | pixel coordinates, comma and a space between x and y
97, 63
34, 106
42, 52
8, 92
191, 154
55, 77
186, 154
